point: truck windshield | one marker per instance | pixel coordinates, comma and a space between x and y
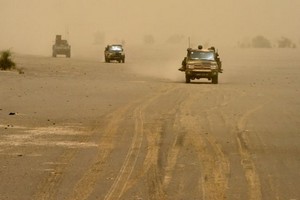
63, 42
202, 55
115, 48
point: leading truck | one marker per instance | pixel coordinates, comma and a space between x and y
202, 63
61, 47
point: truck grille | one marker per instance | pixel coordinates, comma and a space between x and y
202, 66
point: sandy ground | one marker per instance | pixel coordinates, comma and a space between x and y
84, 129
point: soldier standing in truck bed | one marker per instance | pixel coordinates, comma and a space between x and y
183, 63
218, 60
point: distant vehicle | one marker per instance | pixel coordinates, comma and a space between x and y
114, 52
202, 63
61, 47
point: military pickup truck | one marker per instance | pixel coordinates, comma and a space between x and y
114, 52
201, 63
61, 47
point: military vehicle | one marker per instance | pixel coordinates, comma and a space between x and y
201, 63
61, 47
114, 52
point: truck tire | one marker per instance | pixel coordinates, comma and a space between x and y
214, 80
53, 54
123, 60
187, 78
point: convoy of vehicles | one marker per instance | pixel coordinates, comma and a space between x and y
202, 63
61, 47
114, 52
198, 63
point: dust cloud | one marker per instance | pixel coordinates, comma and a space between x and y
30, 26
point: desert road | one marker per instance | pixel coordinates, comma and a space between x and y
77, 128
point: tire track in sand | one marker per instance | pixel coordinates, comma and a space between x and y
119, 185
247, 163
122, 182
86, 185
215, 166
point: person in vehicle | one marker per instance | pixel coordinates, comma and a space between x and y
218, 60
183, 63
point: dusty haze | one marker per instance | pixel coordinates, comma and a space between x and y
84, 129
30, 26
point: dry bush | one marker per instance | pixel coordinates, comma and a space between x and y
6, 62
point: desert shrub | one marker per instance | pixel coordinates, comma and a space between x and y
6, 62
261, 42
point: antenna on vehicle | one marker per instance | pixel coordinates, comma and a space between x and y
67, 32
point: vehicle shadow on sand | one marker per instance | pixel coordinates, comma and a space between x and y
194, 83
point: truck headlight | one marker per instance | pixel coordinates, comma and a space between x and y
214, 66
190, 66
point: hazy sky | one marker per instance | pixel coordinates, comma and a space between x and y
31, 25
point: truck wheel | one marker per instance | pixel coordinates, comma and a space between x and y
187, 79
53, 54
123, 60
214, 80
